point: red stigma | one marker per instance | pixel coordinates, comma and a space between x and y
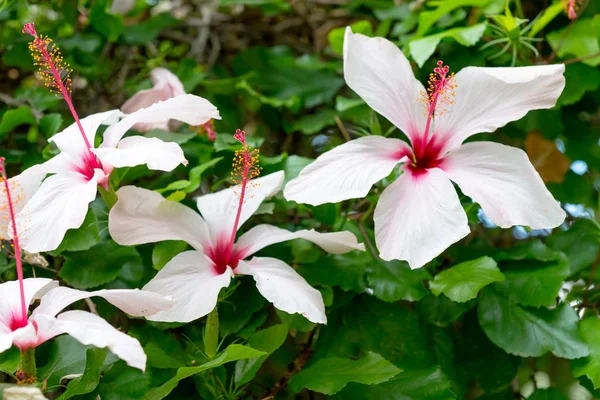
571, 8
240, 136
29, 28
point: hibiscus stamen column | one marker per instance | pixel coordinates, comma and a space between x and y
55, 71
27, 371
245, 168
441, 91
22, 320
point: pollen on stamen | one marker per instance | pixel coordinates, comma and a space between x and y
207, 128
245, 165
47, 57
571, 7
441, 91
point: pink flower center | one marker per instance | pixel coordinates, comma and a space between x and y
245, 165
427, 149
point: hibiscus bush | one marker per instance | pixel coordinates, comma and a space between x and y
270, 199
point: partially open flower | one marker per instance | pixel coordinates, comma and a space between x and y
166, 85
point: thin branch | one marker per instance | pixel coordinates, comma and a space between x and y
342, 128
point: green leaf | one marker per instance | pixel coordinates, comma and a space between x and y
159, 358
580, 243
413, 384
344, 270
547, 394
293, 165
394, 280
50, 124
122, 382
530, 332
463, 281
82, 238
10, 360
295, 321
238, 310
534, 274
590, 365
91, 375
421, 49
312, 123
66, 357
428, 18
196, 174
109, 25
233, 352
580, 79
163, 252
578, 40
148, 30
546, 17
440, 310
267, 340
97, 266
330, 375
336, 35
177, 185
15, 117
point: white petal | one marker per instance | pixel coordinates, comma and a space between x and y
144, 216
22, 393
418, 217
70, 140
192, 282
24, 338
140, 150
61, 203
346, 172
21, 187
166, 85
284, 287
90, 329
219, 209
376, 69
10, 297
505, 184
489, 98
265, 235
192, 110
139, 303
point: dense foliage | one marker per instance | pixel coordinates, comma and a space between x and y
502, 314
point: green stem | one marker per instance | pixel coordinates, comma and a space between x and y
519, 6
109, 196
211, 334
28, 365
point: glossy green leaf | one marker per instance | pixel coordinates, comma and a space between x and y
412, 384
463, 281
330, 375
394, 280
14, 118
99, 265
232, 353
581, 40
87, 382
421, 49
267, 340
530, 332
590, 365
